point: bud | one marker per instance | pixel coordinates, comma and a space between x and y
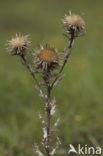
18, 44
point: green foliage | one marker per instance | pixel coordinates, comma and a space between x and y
79, 96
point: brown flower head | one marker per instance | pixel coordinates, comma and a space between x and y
74, 24
18, 44
47, 59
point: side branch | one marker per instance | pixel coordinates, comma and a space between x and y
24, 62
66, 57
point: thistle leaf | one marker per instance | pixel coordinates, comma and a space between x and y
38, 151
58, 80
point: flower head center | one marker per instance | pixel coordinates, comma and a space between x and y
75, 20
18, 42
48, 55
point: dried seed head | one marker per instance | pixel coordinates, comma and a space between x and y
18, 44
47, 59
74, 23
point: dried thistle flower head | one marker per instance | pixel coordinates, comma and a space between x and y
74, 24
47, 59
18, 44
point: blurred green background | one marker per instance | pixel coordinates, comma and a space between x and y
79, 96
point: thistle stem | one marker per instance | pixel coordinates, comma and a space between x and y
71, 43
68, 53
48, 109
24, 62
49, 88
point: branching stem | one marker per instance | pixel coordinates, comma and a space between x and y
49, 89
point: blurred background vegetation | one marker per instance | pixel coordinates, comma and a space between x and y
79, 96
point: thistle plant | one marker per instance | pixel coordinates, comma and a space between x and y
48, 64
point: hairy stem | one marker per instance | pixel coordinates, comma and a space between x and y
48, 109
